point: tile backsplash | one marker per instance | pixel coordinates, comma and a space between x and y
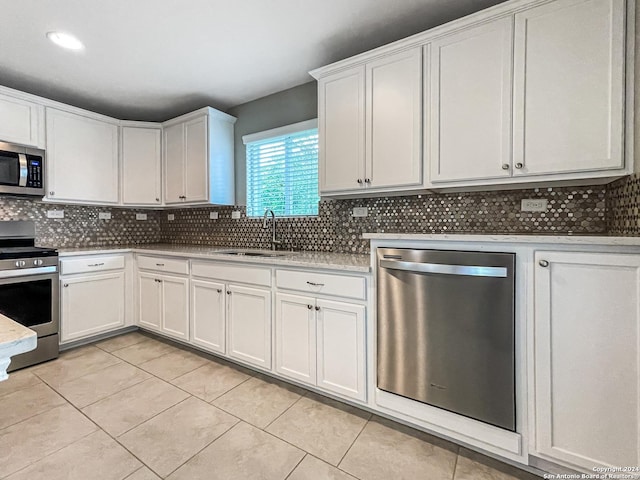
80, 226
613, 209
572, 210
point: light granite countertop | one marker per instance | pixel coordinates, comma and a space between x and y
323, 260
14, 339
603, 240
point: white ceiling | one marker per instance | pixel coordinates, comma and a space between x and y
154, 59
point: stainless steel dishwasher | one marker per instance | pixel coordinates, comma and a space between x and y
446, 330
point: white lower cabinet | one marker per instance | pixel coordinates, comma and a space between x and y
208, 315
322, 343
163, 304
249, 323
587, 357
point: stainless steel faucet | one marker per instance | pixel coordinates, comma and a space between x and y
265, 219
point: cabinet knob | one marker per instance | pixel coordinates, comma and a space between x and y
66, 285
219, 290
543, 263
367, 180
317, 309
309, 307
519, 165
157, 281
52, 193
505, 166
157, 199
359, 181
228, 292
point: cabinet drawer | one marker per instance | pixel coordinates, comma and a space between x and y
325, 283
232, 273
159, 264
91, 264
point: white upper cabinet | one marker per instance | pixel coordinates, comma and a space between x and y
370, 126
587, 359
394, 121
198, 158
341, 104
569, 87
21, 121
82, 158
141, 164
470, 122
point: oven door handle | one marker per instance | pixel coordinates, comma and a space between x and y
23, 272
22, 160
443, 269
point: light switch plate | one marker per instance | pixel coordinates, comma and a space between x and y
235, 214
360, 212
171, 217
141, 216
55, 213
104, 215
213, 215
533, 205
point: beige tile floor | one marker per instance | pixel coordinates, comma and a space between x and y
138, 408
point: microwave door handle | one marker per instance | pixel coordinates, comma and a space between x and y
22, 159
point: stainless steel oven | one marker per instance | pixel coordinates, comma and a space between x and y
21, 170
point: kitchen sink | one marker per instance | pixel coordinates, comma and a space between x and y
253, 253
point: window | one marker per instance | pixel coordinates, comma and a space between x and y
282, 170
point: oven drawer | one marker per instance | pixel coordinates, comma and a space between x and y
69, 266
159, 264
325, 283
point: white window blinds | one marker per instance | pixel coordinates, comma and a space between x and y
282, 171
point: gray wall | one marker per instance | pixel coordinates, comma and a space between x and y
283, 108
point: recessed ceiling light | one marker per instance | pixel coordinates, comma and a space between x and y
65, 40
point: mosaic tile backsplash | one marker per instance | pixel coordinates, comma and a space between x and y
80, 226
623, 206
572, 210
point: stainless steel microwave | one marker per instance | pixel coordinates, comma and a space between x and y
21, 170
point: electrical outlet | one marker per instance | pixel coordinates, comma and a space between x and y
235, 214
213, 215
533, 205
104, 215
141, 216
171, 217
55, 213
360, 212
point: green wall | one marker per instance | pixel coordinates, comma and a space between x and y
283, 108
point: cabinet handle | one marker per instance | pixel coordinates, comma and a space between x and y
157, 199
228, 292
317, 309
219, 290
159, 264
66, 285
95, 264
157, 281
543, 263
519, 165
367, 180
359, 181
313, 284
309, 307
505, 166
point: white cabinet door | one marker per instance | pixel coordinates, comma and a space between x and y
341, 125
21, 121
175, 306
341, 344
394, 120
587, 358
91, 304
471, 83
569, 87
295, 337
174, 147
149, 301
208, 315
196, 160
82, 158
249, 324
141, 165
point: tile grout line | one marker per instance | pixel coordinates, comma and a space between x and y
38, 413
281, 414
297, 465
455, 464
353, 443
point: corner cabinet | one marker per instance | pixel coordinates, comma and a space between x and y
370, 126
198, 158
82, 158
141, 154
587, 357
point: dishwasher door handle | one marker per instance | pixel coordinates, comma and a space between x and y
439, 268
